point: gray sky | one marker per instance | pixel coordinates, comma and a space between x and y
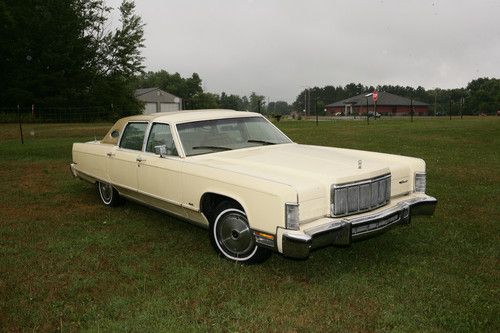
278, 47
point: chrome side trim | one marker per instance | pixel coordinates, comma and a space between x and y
168, 212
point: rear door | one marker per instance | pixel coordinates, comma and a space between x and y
124, 161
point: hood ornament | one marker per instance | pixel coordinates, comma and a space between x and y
360, 164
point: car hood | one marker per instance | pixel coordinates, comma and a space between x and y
312, 169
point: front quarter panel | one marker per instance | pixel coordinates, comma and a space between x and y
263, 200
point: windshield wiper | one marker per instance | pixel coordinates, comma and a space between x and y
264, 142
212, 147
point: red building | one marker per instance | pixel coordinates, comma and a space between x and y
387, 104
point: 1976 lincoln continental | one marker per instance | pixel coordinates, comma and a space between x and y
249, 184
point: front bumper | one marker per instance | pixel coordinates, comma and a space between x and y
342, 231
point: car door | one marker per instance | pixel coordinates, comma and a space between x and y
159, 177
124, 160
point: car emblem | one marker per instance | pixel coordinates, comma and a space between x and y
360, 164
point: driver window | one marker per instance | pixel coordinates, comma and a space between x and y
160, 134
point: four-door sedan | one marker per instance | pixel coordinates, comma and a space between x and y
249, 184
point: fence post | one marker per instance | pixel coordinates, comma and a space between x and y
20, 126
450, 109
411, 109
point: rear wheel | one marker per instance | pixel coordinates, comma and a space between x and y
232, 237
109, 195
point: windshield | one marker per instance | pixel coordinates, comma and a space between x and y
207, 136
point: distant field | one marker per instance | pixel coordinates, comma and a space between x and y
68, 263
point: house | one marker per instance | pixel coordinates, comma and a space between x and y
157, 100
387, 104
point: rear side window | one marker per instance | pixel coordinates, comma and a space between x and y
159, 135
133, 136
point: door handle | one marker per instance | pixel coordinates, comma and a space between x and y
140, 159
109, 154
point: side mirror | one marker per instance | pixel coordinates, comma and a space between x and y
161, 150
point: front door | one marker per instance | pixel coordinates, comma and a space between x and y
159, 178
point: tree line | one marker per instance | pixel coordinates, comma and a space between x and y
64, 53
193, 97
480, 96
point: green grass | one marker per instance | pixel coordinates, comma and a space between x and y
69, 263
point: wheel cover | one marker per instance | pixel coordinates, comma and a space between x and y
233, 235
106, 192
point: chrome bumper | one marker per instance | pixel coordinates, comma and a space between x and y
342, 231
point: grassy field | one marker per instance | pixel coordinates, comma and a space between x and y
68, 263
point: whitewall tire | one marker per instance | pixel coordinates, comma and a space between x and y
232, 237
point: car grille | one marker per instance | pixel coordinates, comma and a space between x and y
360, 196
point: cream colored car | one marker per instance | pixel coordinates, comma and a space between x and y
256, 191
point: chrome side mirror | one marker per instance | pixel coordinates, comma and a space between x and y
161, 150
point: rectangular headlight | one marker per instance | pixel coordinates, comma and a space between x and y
292, 216
420, 182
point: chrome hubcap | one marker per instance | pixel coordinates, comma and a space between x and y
234, 234
106, 191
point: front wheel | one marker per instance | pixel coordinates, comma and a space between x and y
109, 195
232, 237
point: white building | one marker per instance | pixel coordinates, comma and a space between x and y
157, 100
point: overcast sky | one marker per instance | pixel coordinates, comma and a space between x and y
276, 48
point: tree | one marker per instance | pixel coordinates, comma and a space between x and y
43, 52
203, 101
483, 96
58, 53
257, 103
278, 108
123, 46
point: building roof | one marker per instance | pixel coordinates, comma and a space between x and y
384, 98
155, 94
142, 91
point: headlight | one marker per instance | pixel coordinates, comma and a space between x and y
292, 216
420, 182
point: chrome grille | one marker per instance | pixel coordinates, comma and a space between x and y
361, 196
